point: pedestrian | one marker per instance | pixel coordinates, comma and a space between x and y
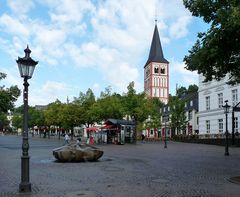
66, 139
143, 137
79, 141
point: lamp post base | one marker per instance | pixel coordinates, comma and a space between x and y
226, 154
25, 187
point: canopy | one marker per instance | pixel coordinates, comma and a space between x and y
91, 129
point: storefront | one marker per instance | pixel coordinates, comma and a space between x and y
119, 131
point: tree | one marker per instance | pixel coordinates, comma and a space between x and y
153, 106
17, 121
36, 117
107, 107
70, 115
86, 101
192, 88
3, 121
8, 96
181, 92
177, 114
216, 52
52, 114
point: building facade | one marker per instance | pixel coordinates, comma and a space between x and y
211, 117
156, 71
191, 117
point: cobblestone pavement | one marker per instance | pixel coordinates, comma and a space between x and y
145, 169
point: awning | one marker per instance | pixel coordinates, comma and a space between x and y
91, 129
108, 126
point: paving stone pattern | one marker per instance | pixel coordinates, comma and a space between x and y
144, 169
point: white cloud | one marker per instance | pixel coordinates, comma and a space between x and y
53, 87
179, 28
49, 92
181, 76
20, 7
110, 36
14, 26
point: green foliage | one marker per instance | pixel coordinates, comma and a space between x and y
86, 101
177, 115
17, 121
36, 117
3, 120
107, 107
86, 110
7, 98
53, 113
182, 91
192, 88
216, 52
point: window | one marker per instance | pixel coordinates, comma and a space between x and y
190, 115
208, 126
236, 124
156, 70
162, 70
191, 103
220, 125
234, 97
208, 103
220, 100
147, 72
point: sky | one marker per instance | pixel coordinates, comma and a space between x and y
95, 44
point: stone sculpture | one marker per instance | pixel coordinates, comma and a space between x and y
75, 152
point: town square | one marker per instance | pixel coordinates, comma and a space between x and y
122, 98
144, 169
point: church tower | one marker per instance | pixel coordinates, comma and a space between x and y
156, 71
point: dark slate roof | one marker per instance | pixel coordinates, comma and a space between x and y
187, 98
194, 98
119, 121
156, 52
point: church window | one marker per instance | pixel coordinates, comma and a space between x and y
162, 70
147, 72
156, 70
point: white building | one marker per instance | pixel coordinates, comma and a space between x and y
211, 117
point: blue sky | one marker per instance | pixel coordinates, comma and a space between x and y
94, 44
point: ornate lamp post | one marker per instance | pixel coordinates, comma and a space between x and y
26, 67
226, 111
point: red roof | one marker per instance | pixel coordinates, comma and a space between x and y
108, 126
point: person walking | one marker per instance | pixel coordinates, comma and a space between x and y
143, 137
66, 139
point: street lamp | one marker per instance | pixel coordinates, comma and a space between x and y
165, 131
226, 111
26, 66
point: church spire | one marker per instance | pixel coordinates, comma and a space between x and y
156, 52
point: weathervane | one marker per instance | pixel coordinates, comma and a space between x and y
155, 15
